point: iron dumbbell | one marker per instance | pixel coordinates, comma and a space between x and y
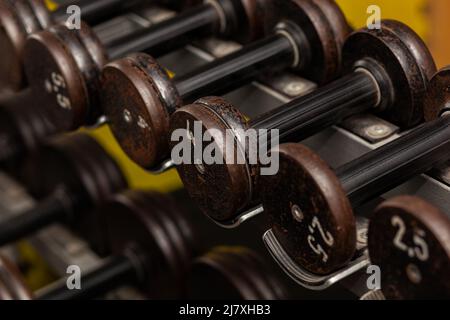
22, 125
387, 72
231, 273
408, 240
138, 97
152, 248
63, 66
73, 175
310, 193
75, 87
21, 18
235, 273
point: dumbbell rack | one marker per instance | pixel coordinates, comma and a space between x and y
337, 145
59, 247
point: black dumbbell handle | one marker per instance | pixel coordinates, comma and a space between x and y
95, 11
116, 271
173, 33
157, 39
223, 75
316, 111
21, 126
387, 167
56, 208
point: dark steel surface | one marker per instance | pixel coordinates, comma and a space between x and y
170, 34
238, 273
114, 272
95, 12
266, 56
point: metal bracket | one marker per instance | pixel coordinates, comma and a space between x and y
163, 167
241, 218
373, 295
370, 128
290, 85
305, 278
152, 15
100, 122
217, 48
14, 198
442, 173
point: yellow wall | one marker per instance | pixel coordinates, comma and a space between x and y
52, 5
412, 12
137, 177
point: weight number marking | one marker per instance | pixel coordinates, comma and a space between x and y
55, 85
325, 235
420, 251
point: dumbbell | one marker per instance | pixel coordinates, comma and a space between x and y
73, 175
236, 273
387, 71
138, 97
152, 248
63, 66
408, 240
21, 18
231, 273
307, 201
21, 125
21, 116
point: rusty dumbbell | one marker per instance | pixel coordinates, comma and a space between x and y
231, 273
152, 248
409, 241
63, 66
309, 203
387, 72
73, 175
21, 18
236, 273
22, 125
138, 97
